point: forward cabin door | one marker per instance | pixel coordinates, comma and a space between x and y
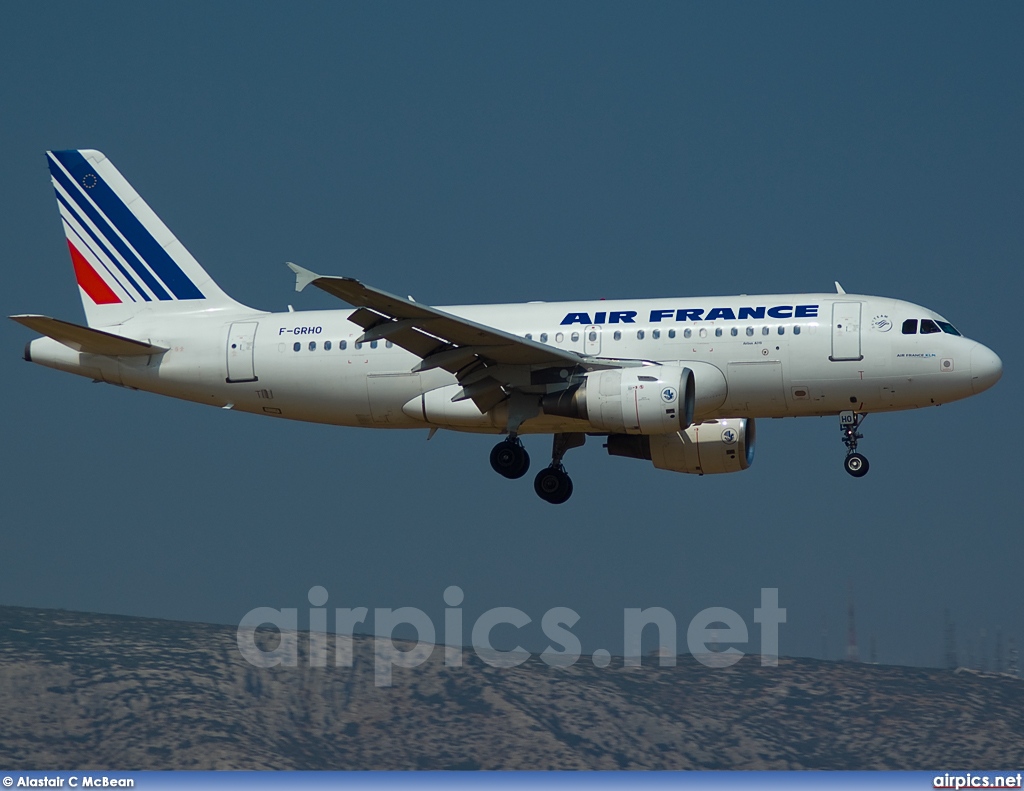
846, 331
241, 349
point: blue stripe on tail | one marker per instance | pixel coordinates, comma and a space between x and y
103, 247
180, 285
82, 205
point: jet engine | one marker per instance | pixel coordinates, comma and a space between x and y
654, 399
704, 448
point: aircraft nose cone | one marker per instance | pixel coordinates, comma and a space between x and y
986, 368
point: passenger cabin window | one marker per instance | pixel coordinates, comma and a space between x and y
357, 345
703, 333
655, 334
750, 331
559, 337
796, 330
928, 327
543, 337
312, 346
575, 337
947, 327
718, 332
687, 332
782, 330
639, 335
734, 332
343, 345
388, 344
373, 344
910, 327
327, 346
671, 333
764, 330
297, 346
529, 336
617, 335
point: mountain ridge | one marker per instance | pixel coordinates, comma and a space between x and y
91, 691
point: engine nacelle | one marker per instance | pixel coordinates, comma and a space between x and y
704, 448
655, 399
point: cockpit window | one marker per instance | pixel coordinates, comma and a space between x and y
910, 327
928, 327
948, 328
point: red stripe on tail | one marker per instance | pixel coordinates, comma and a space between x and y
91, 283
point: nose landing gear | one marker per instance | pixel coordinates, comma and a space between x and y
855, 463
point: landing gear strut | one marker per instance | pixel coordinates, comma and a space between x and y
509, 458
855, 464
553, 484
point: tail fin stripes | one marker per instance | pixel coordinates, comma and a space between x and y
123, 255
91, 197
91, 283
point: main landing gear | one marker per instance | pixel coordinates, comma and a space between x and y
552, 484
855, 464
510, 459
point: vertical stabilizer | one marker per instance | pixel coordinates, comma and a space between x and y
126, 260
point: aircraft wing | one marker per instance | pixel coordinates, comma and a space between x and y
487, 361
436, 336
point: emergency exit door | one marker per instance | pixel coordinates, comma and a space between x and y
846, 331
241, 350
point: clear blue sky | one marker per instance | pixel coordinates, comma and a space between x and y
481, 152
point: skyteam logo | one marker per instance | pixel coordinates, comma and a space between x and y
729, 436
115, 254
668, 395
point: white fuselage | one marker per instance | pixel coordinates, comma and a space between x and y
780, 355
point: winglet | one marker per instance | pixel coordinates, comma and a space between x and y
839, 288
303, 276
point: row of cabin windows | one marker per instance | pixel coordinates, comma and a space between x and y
928, 327
297, 346
656, 334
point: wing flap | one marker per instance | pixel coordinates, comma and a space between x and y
86, 339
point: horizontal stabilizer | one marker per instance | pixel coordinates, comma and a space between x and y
84, 339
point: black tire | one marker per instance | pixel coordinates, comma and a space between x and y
856, 465
510, 459
553, 485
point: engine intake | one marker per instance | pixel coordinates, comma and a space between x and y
714, 446
655, 399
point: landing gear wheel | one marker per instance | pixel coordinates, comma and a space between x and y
553, 485
510, 459
856, 465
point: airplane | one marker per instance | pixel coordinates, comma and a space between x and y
678, 382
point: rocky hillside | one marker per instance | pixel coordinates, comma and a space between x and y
97, 691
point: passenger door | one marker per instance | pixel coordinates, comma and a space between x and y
241, 352
846, 331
